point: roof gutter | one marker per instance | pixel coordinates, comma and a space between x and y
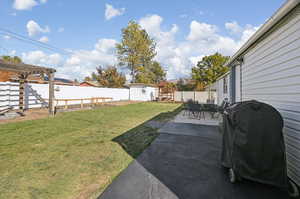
280, 13
222, 76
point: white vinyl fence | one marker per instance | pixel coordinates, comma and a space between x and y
143, 93
9, 95
80, 92
36, 93
199, 96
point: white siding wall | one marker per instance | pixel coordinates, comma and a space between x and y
237, 84
271, 73
220, 89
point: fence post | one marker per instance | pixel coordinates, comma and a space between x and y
81, 105
21, 92
51, 93
66, 104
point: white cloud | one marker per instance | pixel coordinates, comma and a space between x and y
7, 37
111, 12
24, 4
105, 45
27, 4
233, 27
194, 60
12, 52
80, 64
61, 29
83, 62
44, 39
40, 58
248, 31
167, 52
177, 57
33, 28
200, 31
202, 39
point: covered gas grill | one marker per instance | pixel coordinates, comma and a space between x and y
253, 145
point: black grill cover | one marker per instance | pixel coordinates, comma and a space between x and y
253, 144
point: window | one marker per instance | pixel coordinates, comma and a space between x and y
225, 85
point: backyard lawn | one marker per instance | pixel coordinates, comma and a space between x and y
75, 154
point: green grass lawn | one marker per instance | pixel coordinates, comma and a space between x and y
74, 155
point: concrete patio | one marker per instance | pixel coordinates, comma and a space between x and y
205, 119
184, 163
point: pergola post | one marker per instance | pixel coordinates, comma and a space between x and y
51, 93
22, 79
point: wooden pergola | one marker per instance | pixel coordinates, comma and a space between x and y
23, 71
165, 92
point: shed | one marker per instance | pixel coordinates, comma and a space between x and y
23, 71
142, 92
267, 68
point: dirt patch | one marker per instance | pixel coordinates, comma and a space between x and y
121, 103
34, 114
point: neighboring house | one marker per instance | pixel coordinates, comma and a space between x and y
90, 83
223, 87
38, 79
5, 76
142, 92
62, 81
267, 68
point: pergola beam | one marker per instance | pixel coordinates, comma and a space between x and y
24, 68
23, 71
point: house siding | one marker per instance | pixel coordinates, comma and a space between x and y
237, 83
271, 74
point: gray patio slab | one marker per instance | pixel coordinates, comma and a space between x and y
184, 117
184, 166
176, 128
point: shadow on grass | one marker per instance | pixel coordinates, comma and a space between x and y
137, 139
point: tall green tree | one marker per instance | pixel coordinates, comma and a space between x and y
209, 69
12, 59
185, 85
108, 77
152, 73
136, 50
158, 72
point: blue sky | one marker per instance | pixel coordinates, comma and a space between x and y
185, 30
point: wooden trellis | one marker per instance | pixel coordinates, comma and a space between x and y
23, 71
